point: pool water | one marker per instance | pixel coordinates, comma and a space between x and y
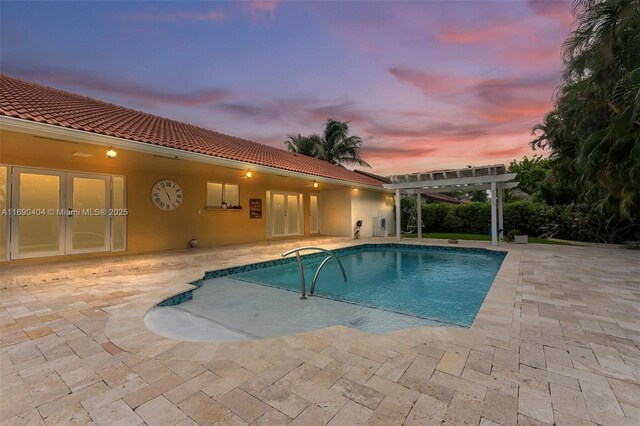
389, 286
429, 282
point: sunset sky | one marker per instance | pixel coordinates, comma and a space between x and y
427, 85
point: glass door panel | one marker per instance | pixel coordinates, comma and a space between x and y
4, 218
313, 205
39, 228
89, 227
118, 220
292, 214
278, 213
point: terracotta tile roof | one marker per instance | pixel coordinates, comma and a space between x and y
33, 102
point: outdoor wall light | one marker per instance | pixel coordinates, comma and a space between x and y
248, 173
355, 189
111, 153
315, 183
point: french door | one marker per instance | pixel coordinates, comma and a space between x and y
314, 220
55, 213
286, 214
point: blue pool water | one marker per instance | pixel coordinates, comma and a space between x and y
389, 287
437, 283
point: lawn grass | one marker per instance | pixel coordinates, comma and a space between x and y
478, 237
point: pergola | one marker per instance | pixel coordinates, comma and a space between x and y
494, 178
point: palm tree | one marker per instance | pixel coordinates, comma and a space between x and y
594, 130
334, 146
304, 145
337, 147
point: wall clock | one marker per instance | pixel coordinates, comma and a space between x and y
167, 195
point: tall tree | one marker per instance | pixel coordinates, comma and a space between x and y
594, 131
334, 145
305, 145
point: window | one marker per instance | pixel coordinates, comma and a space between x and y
219, 194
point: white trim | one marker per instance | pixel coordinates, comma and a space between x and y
8, 216
124, 206
65, 202
494, 215
15, 204
299, 214
81, 136
317, 230
107, 219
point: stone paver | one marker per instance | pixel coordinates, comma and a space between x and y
556, 341
160, 411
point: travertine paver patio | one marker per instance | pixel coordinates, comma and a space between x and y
556, 341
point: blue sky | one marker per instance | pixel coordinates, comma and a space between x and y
427, 85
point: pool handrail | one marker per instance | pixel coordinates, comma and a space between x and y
303, 286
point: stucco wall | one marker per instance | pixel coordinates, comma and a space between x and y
367, 205
148, 228
335, 212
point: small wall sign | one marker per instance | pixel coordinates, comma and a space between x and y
255, 208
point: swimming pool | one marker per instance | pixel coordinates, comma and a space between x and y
389, 286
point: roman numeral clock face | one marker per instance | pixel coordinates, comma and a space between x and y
167, 195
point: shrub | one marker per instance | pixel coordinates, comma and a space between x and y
574, 221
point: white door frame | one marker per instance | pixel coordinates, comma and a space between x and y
8, 203
65, 202
317, 230
69, 206
15, 205
286, 209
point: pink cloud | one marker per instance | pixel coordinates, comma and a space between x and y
517, 151
140, 93
506, 99
183, 15
482, 34
538, 56
260, 9
431, 83
556, 10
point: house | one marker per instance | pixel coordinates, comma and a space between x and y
81, 177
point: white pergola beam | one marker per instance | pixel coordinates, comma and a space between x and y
448, 188
500, 215
419, 218
477, 180
494, 215
398, 229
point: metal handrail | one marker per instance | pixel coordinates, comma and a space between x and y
303, 286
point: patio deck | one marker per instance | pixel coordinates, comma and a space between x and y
556, 341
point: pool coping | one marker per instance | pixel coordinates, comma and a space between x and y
126, 328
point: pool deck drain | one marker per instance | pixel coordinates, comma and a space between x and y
556, 341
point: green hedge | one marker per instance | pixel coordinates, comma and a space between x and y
475, 218
577, 222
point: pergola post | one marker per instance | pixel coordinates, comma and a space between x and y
500, 215
494, 215
419, 207
398, 231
